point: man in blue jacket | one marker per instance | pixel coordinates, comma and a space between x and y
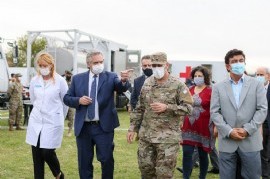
138, 82
92, 95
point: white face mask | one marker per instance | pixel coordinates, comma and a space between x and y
158, 72
44, 71
97, 69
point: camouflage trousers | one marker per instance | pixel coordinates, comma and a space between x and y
70, 117
157, 160
15, 113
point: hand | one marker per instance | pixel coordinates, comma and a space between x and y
158, 107
130, 137
85, 100
261, 130
125, 75
242, 132
129, 108
235, 134
215, 132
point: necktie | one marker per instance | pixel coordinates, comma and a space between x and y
91, 107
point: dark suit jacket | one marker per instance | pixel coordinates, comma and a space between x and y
107, 84
268, 112
138, 83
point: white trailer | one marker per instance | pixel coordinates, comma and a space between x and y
4, 73
182, 69
4, 79
75, 44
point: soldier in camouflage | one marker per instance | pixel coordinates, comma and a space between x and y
15, 103
71, 111
156, 119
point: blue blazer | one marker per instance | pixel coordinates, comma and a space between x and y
107, 84
138, 83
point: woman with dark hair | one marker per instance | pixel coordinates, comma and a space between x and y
197, 129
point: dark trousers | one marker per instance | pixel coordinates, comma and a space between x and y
92, 135
27, 110
40, 156
250, 164
188, 164
213, 157
265, 153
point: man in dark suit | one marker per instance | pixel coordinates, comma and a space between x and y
138, 82
262, 74
92, 94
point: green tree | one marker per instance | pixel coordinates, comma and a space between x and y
38, 45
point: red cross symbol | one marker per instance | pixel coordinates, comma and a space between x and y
186, 75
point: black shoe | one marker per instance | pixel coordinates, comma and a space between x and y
62, 176
214, 171
196, 164
179, 169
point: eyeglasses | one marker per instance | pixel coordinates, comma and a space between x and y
259, 74
157, 65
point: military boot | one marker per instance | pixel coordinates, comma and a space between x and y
19, 128
11, 127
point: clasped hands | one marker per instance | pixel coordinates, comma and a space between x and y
238, 134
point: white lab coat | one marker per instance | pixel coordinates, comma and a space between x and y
49, 112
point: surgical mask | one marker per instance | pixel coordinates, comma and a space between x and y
97, 69
158, 72
44, 71
199, 81
261, 78
148, 71
238, 68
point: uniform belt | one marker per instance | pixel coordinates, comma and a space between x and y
92, 122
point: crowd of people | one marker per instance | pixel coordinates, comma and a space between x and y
232, 110
165, 114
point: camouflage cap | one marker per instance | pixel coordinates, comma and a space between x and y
159, 58
18, 75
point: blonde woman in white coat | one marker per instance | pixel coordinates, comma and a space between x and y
46, 122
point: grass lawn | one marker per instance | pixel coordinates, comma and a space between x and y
16, 158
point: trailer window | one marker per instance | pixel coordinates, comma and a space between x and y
1, 55
133, 58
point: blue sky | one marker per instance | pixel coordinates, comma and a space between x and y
184, 29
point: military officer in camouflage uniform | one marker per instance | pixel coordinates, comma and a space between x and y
15, 103
71, 111
156, 119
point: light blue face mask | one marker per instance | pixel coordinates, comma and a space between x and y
261, 78
238, 68
198, 81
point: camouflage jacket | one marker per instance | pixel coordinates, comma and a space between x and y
164, 127
15, 92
